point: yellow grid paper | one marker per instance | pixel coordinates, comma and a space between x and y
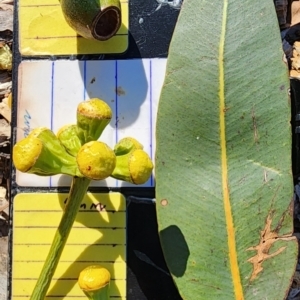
44, 31
97, 237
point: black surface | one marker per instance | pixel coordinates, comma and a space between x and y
151, 29
147, 273
295, 121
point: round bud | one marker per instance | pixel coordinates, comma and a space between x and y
96, 160
93, 278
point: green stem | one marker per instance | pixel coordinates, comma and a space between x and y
77, 192
101, 294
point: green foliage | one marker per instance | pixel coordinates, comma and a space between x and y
223, 163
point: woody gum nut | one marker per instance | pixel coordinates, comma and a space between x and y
67, 135
92, 117
96, 160
126, 145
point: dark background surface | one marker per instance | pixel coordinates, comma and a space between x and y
147, 273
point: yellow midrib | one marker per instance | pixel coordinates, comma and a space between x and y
235, 272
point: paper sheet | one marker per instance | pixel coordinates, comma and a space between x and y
97, 237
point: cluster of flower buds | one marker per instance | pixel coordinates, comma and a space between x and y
76, 151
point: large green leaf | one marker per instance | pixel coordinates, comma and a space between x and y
223, 162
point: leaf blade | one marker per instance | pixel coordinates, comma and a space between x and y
190, 149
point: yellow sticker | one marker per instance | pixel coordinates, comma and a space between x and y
97, 237
44, 31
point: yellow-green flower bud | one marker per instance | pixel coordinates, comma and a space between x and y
94, 282
96, 160
126, 145
26, 153
41, 153
67, 135
135, 167
92, 117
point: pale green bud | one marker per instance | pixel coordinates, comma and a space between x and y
127, 145
67, 135
134, 167
92, 117
42, 154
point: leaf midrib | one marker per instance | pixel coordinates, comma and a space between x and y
235, 272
